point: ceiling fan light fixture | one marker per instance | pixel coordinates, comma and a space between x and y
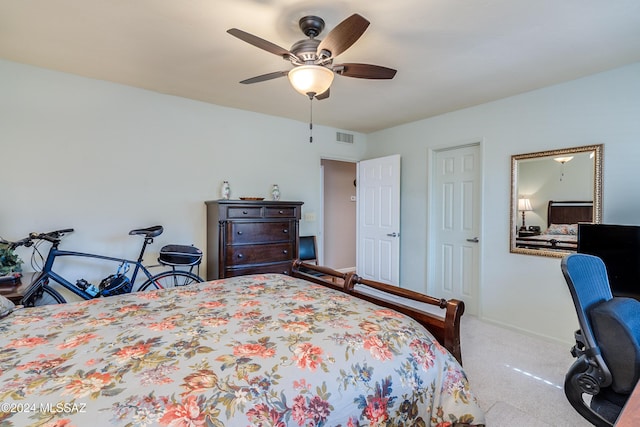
311, 80
563, 160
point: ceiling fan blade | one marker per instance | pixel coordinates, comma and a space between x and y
364, 71
343, 35
324, 95
261, 43
265, 77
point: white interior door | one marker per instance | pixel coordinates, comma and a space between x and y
378, 210
456, 224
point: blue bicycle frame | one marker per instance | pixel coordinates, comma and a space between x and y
48, 274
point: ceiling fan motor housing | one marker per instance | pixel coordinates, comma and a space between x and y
306, 50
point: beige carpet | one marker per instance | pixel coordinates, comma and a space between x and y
517, 378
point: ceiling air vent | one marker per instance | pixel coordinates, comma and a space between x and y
346, 138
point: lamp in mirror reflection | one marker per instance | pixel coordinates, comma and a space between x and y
524, 205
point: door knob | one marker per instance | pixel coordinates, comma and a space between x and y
394, 234
474, 240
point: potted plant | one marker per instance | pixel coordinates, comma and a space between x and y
10, 262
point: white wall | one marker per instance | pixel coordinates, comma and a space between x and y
105, 158
522, 291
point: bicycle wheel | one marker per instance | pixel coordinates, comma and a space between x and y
43, 295
170, 279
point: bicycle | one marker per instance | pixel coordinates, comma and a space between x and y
41, 292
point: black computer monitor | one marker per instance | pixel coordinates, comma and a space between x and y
619, 248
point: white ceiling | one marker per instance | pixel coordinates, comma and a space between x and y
449, 54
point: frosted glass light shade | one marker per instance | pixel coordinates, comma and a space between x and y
563, 160
311, 80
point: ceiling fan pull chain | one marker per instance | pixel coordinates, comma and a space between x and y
310, 120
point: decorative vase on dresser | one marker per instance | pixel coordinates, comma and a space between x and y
251, 237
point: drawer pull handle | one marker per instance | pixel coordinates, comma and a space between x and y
285, 251
239, 233
240, 256
244, 212
285, 231
280, 212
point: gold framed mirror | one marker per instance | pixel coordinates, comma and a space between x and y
552, 191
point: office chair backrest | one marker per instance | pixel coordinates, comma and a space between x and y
308, 249
586, 277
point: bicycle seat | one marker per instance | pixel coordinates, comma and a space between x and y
154, 231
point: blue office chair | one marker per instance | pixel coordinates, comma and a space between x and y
607, 344
308, 252
308, 249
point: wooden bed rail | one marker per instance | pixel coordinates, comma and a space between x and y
439, 316
328, 277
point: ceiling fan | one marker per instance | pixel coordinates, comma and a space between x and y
312, 59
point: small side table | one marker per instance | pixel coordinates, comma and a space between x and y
15, 292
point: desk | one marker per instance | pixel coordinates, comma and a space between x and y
630, 415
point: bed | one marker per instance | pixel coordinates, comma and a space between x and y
561, 233
259, 350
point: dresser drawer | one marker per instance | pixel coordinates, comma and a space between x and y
254, 254
258, 232
281, 212
281, 268
244, 212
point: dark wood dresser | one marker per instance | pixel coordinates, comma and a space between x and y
251, 237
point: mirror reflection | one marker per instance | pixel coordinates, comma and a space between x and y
551, 192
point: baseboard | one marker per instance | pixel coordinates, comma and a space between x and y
525, 331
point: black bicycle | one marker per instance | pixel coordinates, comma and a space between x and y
41, 291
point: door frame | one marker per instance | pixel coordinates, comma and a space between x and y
432, 204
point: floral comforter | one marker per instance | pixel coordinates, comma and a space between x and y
266, 350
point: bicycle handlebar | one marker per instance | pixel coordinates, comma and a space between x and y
22, 242
51, 236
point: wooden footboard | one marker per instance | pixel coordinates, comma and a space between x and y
439, 316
